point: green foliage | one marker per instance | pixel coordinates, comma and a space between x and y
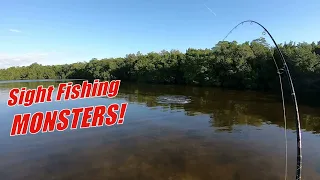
249, 65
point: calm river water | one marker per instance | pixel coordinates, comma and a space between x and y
220, 134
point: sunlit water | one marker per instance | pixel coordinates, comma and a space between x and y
217, 134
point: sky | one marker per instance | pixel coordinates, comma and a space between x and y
67, 31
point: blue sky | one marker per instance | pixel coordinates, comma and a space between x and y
67, 31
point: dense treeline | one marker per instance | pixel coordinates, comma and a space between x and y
229, 64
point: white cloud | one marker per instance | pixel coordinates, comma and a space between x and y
52, 57
210, 10
15, 30
7, 60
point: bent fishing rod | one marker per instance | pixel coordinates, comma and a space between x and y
293, 94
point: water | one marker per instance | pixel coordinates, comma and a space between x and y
218, 134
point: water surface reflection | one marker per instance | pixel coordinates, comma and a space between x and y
218, 135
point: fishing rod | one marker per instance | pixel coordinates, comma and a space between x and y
293, 94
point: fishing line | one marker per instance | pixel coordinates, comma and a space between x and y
284, 117
280, 72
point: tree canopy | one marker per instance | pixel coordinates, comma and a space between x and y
248, 65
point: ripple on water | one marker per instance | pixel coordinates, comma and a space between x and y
174, 99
